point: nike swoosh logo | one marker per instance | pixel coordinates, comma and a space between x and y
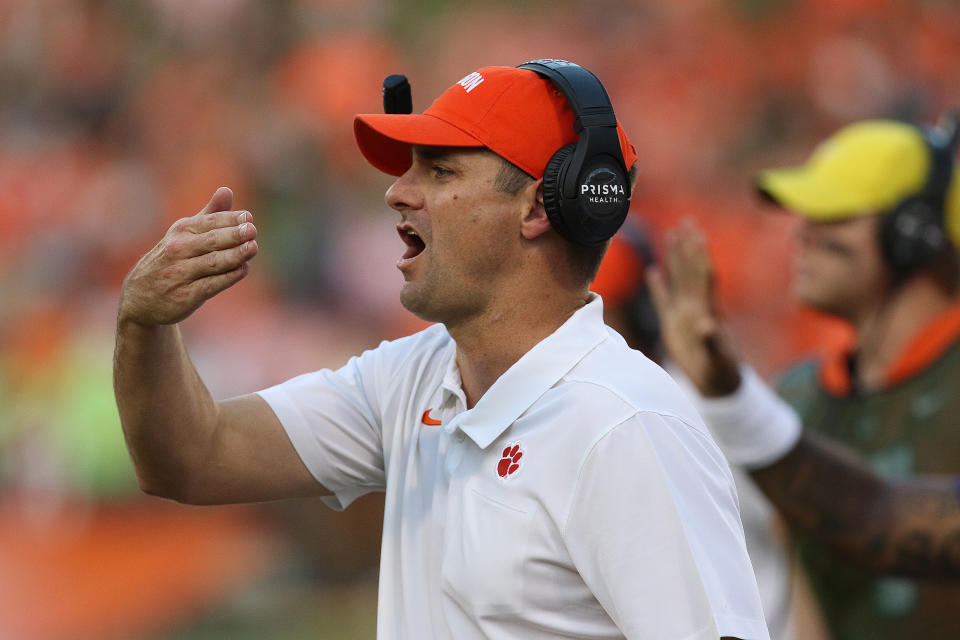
426, 419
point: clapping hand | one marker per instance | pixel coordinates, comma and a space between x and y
196, 259
693, 334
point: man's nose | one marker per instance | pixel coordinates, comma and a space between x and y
403, 194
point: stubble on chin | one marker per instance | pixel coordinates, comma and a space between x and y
410, 299
418, 299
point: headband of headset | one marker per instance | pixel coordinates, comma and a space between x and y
942, 142
594, 120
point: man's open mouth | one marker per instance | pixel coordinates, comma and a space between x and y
414, 243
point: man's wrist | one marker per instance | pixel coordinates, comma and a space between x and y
725, 382
129, 324
753, 426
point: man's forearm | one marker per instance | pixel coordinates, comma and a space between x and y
169, 419
909, 527
167, 414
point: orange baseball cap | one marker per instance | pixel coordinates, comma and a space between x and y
516, 113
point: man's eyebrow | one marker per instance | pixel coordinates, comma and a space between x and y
432, 153
446, 154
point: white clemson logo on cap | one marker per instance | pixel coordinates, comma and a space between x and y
470, 82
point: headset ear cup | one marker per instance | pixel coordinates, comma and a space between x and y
912, 236
552, 191
889, 242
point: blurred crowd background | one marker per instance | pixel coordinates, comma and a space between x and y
117, 118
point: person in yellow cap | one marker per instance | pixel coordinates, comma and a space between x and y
879, 209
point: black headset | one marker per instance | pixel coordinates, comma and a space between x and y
586, 187
914, 233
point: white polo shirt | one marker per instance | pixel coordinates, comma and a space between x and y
581, 497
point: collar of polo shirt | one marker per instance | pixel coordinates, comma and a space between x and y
532, 375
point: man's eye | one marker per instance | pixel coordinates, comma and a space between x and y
441, 172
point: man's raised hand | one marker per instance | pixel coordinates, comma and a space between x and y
693, 333
196, 259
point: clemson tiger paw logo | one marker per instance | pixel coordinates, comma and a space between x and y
510, 460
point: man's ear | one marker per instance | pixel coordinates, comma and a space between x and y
535, 221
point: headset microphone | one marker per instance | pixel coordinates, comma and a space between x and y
396, 94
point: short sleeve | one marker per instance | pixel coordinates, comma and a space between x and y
333, 420
654, 530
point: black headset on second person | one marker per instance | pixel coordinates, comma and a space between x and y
914, 233
586, 187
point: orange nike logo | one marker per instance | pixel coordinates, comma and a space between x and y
426, 419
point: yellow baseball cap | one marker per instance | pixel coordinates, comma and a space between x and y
865, 168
